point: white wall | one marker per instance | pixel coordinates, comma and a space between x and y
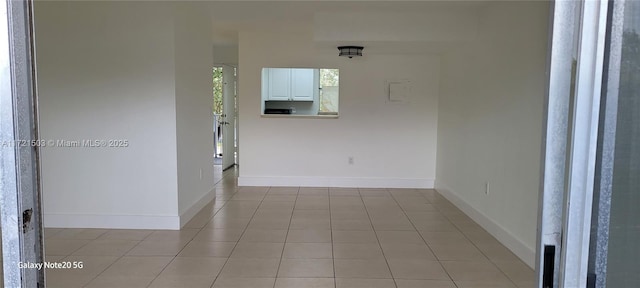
194, 102
393, 144
490, 123
107, 70
224, 54
438, 24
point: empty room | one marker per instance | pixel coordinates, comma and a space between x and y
338, 144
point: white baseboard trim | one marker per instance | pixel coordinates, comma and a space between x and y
154, 222
523, 251
111, 221
187, 215
336, 182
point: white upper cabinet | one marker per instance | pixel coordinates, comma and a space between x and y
292, 84
303, 84
279, 84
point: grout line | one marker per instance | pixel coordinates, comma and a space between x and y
44, 231
243, 231
333, 258
378, 239
117, 258
199, 230
285, 237
105, 269
228, 173
472, 242
421, 237
194, 236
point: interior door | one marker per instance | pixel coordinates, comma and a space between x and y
228, 116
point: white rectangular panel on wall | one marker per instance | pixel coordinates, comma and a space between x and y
399, 90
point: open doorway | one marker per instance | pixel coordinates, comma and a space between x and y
224, 115
217, 113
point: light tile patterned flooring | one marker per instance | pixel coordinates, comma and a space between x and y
255, 237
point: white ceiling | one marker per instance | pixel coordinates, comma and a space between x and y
230, 17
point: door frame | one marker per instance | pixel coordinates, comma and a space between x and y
578, 32
229, 162
599, 241
22, 233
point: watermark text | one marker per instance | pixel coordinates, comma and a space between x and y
67, 143
51, 265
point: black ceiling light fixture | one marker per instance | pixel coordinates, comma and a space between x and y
350, 51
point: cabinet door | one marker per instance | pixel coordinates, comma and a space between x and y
302, 84
279, 84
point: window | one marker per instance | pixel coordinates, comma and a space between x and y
329, 91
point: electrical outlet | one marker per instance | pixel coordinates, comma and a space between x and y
350, 160
486, 188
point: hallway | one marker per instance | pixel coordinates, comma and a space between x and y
256, 237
